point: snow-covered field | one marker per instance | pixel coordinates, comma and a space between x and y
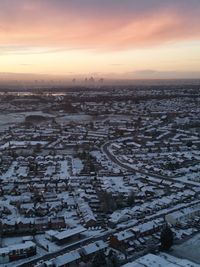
74, 118
189, 249
6, 120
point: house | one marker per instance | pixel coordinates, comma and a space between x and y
17, 251
182, 215
25, 224
69, 202
8, 226
50, 234
88, 251
41, 224
118, 217
70, 259
42, 209
27, 208
119, 239
57, 222
148, 228
152, 260
69, 235
87, 214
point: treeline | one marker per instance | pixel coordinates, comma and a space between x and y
94, 98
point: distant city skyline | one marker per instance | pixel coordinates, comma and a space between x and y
129, 39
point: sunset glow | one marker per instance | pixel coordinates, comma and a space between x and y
128, 39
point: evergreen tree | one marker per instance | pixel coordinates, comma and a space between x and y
99, 260
166, 238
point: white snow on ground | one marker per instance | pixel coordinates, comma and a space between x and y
77, 166
10, 172
189, 249
64, 169
11, 241
75, 118
6, 120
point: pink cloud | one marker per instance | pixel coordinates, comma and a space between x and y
37, 24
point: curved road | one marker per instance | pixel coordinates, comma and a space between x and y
133, 170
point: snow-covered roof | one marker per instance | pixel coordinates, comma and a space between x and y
94, 247
69, 232
66, 258
19, 246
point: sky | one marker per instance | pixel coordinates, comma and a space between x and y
126, 39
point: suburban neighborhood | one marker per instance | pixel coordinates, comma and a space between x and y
92, 177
